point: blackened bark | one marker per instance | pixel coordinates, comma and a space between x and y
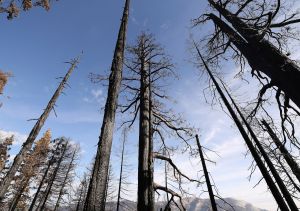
96, 193
145, 201
63, 185
121, 171
52, 179
50, 163
274, 190
18, 195
34, 133
287, 156
209, 187
275, 174
282, 71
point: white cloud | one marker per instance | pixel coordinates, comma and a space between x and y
19, 138
96, 93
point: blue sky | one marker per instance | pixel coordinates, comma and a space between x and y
35, 46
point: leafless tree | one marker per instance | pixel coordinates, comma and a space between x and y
27, 145
97, 188
259, 162
147, 71
258, 32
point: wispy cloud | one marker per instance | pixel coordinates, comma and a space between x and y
18, 137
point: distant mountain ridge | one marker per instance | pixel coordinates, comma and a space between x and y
192, 204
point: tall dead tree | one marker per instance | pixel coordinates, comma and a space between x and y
68, 176
266, 157
147, 67
272, 186
30, 169
58, 145
52, 176
256, 27
283, 72
97, 188
284, 152
27, 145
209, 186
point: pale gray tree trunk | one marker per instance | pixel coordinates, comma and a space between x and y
34, 133
96, 193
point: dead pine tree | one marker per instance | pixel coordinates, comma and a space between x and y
53, 175
285, 153
266, 157
29, 170
68, 176
58, 145
27, 145
147, 68
272, 186
209, 186
122, 177
251, 36
96, 193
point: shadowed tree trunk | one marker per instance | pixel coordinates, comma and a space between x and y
274, 190
275, 174
96, 193
121, 170
282, 71
209, 187
50, 163
287, 156
42, 203
66, 178
34, 133
145, 201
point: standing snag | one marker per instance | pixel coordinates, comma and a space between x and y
96, 193
27, 145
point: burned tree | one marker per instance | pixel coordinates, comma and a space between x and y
29, 170
207, 180
4, 154
67, 175
97, 188
258, 33
273, 188
57, 146
148, 71
27, 145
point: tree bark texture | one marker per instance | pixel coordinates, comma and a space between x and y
96, 193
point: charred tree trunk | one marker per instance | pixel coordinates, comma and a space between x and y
282, 71
34, 133
275, 174
53, 176
18, 195
50, 163
209, 187
145, 200
287, 156
96, 193
281, 203
121, 171
63, 185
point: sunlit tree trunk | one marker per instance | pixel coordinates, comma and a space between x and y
96, 193
27, 145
